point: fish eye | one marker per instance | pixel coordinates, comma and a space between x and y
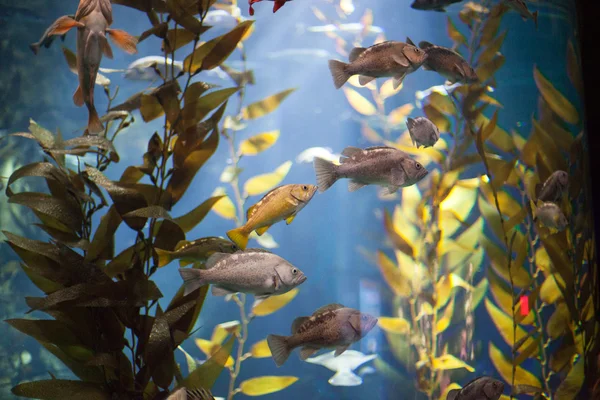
363, 317
294, 271
304, 187
233, 247
418, 166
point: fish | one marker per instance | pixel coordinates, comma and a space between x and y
331, 326
521, 7
385, 59
343, 365
447, 63
282, 203
481, 388
383, 166
308, 155
432, 5
422, 131
92, 20
223, 19
550, 215
278, 4
195, 251
253, 271
353, 28
554, 187
144, 69
46, 39
191, 394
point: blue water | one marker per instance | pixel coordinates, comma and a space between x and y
324, 239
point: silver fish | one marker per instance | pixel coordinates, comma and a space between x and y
433, 5
551, 216
383, 166
343, 366
331, 326
554, 187
482, 388
144, 69
386, 59
353, 28
422, 131
254, 271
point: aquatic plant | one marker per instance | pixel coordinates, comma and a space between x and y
107, 325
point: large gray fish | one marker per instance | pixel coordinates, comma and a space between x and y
447, 63
46, 39
482, 388
422, 131
383, 166
254, 271
331, 326
432, 5
550, 215
386, 59
521, 7
554, 187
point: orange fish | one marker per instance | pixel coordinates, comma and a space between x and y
92, 21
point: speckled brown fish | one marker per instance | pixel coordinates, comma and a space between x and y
383, 166
191, 394
482, 388
386, 59
550, 215
422, 131
331, 326
554, 187
521, 7
447, 63
254, 271
196, 250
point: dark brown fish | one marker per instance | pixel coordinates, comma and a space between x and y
447, 63
482, 388
550, 215
554, 187
383, 166
386, 59
521, 7
331, 326
46, 39
432, 5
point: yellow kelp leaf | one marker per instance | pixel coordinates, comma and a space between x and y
423, 155
395, 236
439, 119
460, 201
550, 292
454, 33
487, 70
387, 89
223, 330
413, 270
570, 387
490, 213
448, 361
224, 207
504, 323
499, 137
442, 103
273, 303
265, 182
369, 133
444, 322
358, 102
399, 114
501, 293
448, 388
557, 102
444, 286
404, 222
258, 143
558, 323
519, 274
470, 237
392, 275
394, 325
260, 349
210, 348
266, 384
479, 293
505, 369
411, 197
266, 105
492, 49
425, 309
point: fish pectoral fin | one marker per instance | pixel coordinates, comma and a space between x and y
292, 200
459, 70
398, 177
340, 349
351, 151
262, 230
353, 186
410, 42
262, 296
251, 211
355, 52
298, 323
389, 190
78, 97
106, 49
400, 60
290, 219
345, 377
63, 25
398, 80
363, 80
123, 40
220, 291
307, 351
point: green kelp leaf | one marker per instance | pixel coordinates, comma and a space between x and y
126, 259
396, 237
150, 108
526, 389
182, 177
183, 17
168, 98
186, 322
82, 144
550, 291
499, 261
487, 70
169, 234
492, 49
266, 105
206, 104
570, 387
454, 33
498, 137
103, 243
558, 323
573, 69
159, 30
159, 354
264, 182
131, 175
393, 276
479, 293
207, 373
49, 331
266, 384
149, 212
177, 38
555, 246
273, 303
557, 102
67, 214
60, 389
258, 143
45, 138
505, 369
45, 285
501, 293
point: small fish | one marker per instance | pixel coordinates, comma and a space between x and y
92, 20
422, 131
191, 394
353, 28
254, 271
308, 155
480, 388
554, 187
386, 59
223, 19
550, 215
433, 5
383, 166
46, 39
144, 69
278, 4
343, 365
447, 63
196, 250
281, 203
331, 326
521, 7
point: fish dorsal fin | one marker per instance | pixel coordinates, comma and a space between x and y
215, 258
298, 323
257, 250
251, 211
351, 151
380, 148
182, 244
328, 307
425, 45
355, 53
199, 394
106, 9
84, 9
410, 41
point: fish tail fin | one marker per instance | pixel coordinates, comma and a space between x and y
338, 72
192, 279
535, 19
123, 40
63, 25
239, 236
278, 4
94, 123
279, 348
35, 47
164, 257
345, 378
78, 97
326, 173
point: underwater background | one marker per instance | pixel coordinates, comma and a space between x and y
446, 273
